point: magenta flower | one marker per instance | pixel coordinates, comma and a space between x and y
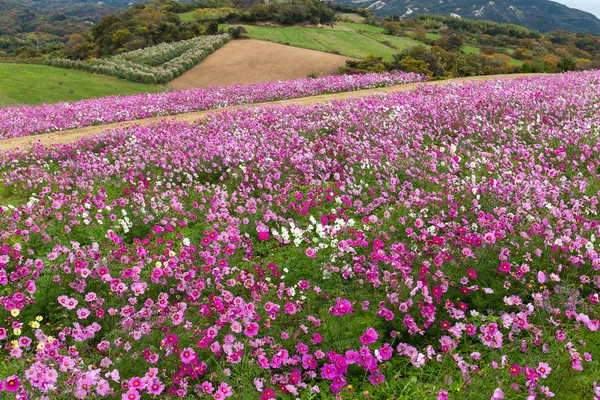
155, 387
370, 336
376, 378
225, 389
267, 394
12, 383
515, 370
504, 267
207, 387
131, 394
188, 356
251, 330
263, 235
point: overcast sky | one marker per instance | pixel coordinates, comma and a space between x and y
591, 6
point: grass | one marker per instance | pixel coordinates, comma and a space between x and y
428, 35
352, 17
186, 17
345, 42
400, 43
514, 61
470, 49
361, 27
351, 44
36, 84
297, 37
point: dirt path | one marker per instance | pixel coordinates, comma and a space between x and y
72, 135
251, 61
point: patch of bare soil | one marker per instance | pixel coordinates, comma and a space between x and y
249, 61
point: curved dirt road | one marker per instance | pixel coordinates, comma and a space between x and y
71, 135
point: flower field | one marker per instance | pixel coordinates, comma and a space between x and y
24, 120
436, 244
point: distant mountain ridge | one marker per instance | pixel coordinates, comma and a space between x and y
542, 15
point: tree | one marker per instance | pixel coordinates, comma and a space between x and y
420, 32
409, 64
566, 64
449, 43
391, 28
120, 37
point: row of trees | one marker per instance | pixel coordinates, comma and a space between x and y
137, 27
285, 13
439, 63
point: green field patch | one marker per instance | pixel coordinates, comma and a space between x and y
470, 49
350, 43
352, 17
297, 37
36, 84
187, 17
399, 43
361, 27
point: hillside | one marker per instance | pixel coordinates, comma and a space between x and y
542, 15
35, 84
347, 39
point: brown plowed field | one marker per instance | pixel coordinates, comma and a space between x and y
250, 61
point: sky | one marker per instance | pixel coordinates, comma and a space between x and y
591, 6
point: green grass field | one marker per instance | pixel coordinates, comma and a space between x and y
345, 40
186, 17
470, 49
352, 17
514, 61
360, 27
400, 43
35, 84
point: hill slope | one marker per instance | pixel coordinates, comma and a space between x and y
542, 15
36, 84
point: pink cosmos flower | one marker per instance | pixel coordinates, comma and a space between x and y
251, 330
225, 389
155, 387
188, 356
131, 394
268, 394
515, 370
504, 267
263, 236
498, 394
12, 383
83, 313
207, 387
543, 370
136, 383
370, 336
